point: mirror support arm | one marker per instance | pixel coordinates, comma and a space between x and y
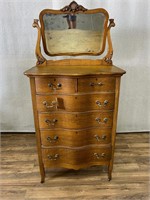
40, 59
108, 57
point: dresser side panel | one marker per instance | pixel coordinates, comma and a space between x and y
115, 114
36, 123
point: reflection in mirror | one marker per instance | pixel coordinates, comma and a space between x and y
74, 33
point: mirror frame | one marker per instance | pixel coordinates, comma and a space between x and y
77, 10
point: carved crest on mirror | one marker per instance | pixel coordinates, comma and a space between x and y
73, 7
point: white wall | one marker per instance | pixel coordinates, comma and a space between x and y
131, 38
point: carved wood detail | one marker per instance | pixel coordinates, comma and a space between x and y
108, 57
73, 7
111, 23
39, 56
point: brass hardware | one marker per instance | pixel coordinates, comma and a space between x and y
55, 87
50, 85
96, 84
99, 120
51, 105
105, 120
105, 102
100, 104
104, 137
59, 85
99, 156
51, 122
52, 139
99, 138
53, 157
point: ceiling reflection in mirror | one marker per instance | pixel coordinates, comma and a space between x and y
74, 33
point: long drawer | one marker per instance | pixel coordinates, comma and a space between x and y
67, 157
75, 120
75, 103
75, 138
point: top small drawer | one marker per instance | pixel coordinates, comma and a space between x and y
55, 85
106, 84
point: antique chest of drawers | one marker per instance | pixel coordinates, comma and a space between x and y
75, 115
75, 101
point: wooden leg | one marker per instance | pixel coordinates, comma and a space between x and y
38, 134
42, 172
110, 171
42, 179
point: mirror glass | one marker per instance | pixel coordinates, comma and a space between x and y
74, 33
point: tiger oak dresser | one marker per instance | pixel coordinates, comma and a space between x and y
75, 101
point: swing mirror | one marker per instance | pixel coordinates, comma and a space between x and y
74, 30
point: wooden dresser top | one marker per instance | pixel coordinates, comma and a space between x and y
74, 70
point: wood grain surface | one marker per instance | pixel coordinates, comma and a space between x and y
96, 84
76, 158
67, 85
74, 138
75, 103
75, 120
64, 68
20, 178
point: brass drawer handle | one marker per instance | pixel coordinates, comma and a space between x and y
102, 104
99, 156
98, 138
105, 120
57, 86
50, 105
51, 122
96, 84
53, 157
55, 139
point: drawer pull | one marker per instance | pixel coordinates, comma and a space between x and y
105, 120
55, 139
53, 157
55, 87
99, 156
59, 85
51, 105
104, 137
96, 84
51, 122
100, 138
100, 104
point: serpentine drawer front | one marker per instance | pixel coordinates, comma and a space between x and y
85, 156
75, 138
75, 118
75, 103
